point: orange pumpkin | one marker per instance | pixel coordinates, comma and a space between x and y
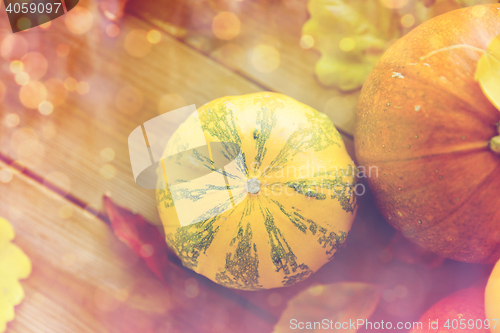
426, 125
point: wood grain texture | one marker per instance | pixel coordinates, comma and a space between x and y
274, 23
85, 280
70, 139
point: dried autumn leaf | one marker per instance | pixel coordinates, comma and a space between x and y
352, 35
14, 265
195, 304
140, 236
488, 72
329, 304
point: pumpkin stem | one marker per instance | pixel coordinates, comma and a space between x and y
252, 186
458, 46
495, 144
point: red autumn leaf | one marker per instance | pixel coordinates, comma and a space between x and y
140, 236
197, 304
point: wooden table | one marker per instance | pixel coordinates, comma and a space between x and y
84, 279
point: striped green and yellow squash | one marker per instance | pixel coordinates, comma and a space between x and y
276, 214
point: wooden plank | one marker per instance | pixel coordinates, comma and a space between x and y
70, 140
274, 23
85, 280
65, 147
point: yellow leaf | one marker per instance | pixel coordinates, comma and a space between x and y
488, 72
14, 265
352, 35
336, 307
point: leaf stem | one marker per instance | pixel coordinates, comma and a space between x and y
495, 144
458, 46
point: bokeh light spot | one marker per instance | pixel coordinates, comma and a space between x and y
108, 171
32, 94
78, 20
265, 58
12, 120
306, 42
70, 83
226, 25
407, 20
16, 66
129, 100
35, 65
44, 22
136, 43
62, 50
13, 47
394, 4
347, 44
45, 108
107, 154
66, 211
56, 91
82, 87
22, 78
154, 36
23, 23
6, 175
112, 30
